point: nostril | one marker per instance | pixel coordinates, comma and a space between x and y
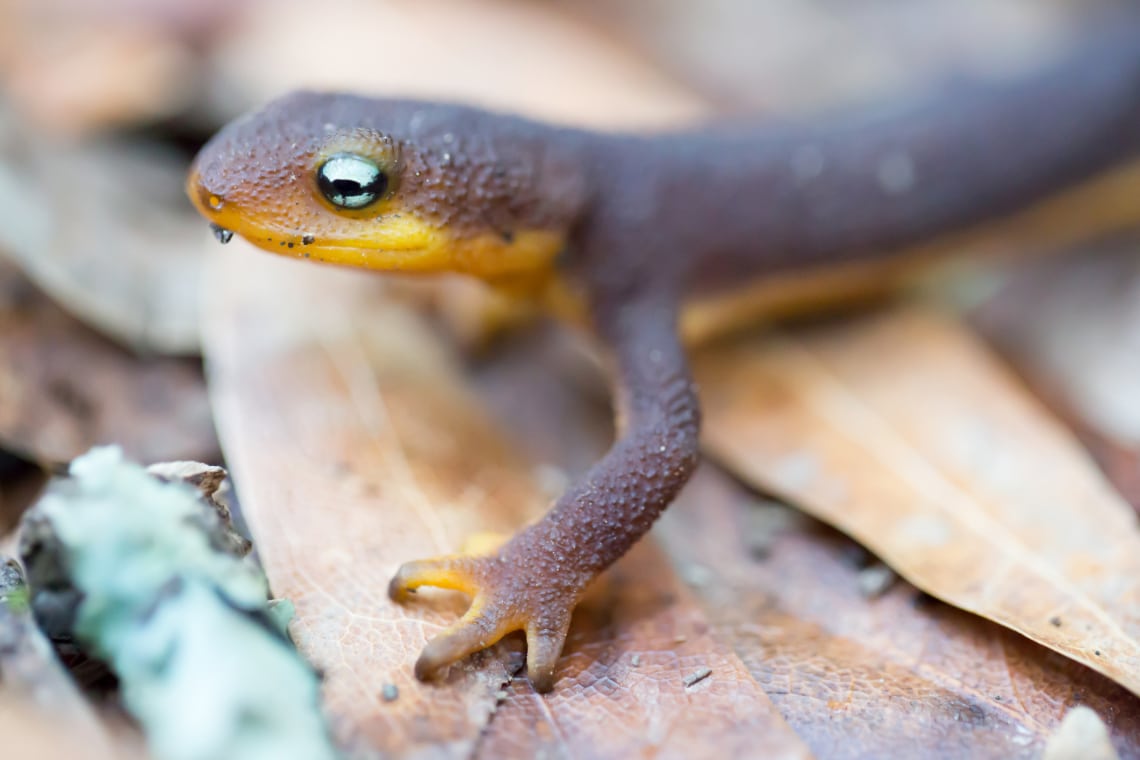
211, 200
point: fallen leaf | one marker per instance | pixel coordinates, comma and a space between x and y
903, 432
1071, 327
64, 388
105, 230
347, 465
507, 54
644, 675
356, 446
77, 67
858, 677
1074, 322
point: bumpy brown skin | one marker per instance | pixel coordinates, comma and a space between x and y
650, 220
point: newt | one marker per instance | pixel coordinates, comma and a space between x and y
635, 228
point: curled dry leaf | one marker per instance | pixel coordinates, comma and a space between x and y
76, 66
900, 675
1074, 321
904, 433
65, 388
508, 54
1071, 326
104, 229
355, 446
345, 468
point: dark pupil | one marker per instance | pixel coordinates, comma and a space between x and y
351, 181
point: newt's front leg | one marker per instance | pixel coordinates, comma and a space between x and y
533, 582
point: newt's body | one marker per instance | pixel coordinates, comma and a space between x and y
637, 226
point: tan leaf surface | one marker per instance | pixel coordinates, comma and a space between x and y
75, 66
904, 433
641, 634
65, 388
857, 672
355, 446
507, 54
1071, 326
896, 675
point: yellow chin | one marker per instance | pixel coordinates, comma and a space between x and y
406, 243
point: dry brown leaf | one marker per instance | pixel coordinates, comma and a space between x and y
355, 446
65, 388
1071, 326
1074, 322
641, 632
643, 675
327, 450
904, 433
508, 54
900, 675
104, 229
75, 66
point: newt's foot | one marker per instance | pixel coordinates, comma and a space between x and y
507, 594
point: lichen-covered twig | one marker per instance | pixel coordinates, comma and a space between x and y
133, 566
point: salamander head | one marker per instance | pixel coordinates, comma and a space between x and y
390, 185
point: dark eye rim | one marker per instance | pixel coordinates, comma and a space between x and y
353, 193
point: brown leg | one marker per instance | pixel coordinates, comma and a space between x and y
533, 582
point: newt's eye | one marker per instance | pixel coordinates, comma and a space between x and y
351, 181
